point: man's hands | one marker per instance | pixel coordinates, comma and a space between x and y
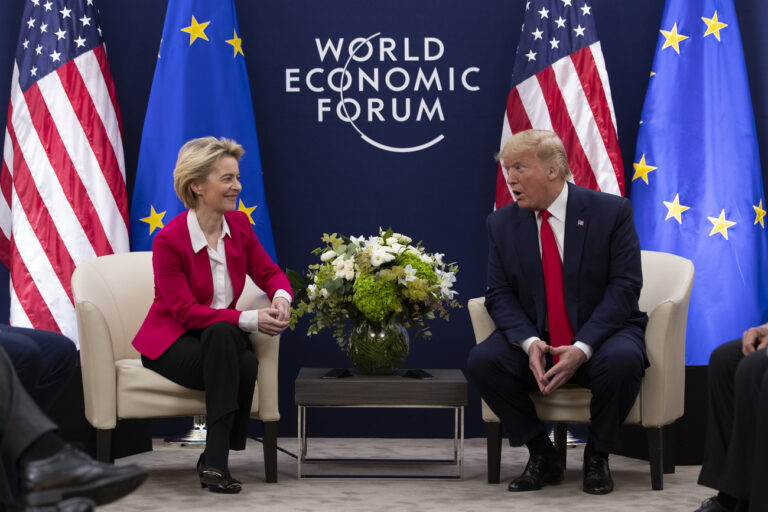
571, 358
754, 338
274, 320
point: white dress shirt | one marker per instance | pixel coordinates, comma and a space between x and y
223, 294
557, 223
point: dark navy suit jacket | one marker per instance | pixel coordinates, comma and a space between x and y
601, 270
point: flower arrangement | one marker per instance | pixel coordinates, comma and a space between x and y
377, 280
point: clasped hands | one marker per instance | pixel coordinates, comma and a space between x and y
755, 338
571, 358
275, 319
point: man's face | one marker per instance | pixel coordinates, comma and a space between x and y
531, 181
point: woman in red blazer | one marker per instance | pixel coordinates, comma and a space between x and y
192, 334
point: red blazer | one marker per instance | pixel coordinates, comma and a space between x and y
184, 284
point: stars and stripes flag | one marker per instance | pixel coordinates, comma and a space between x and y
697, 187
63, 196
559, 83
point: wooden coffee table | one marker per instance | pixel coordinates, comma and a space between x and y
448, 389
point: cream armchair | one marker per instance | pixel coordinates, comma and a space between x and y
112, 296
667, 281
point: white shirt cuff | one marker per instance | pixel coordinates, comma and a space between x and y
527, 342
584, 348
284, 294
249, 320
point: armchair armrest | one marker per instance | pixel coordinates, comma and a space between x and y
98, 364
481, 321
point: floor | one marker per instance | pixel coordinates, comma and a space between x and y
173, 484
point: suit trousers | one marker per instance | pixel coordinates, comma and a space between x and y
21, 420
735, 394
219, 360
500, 371
44, 360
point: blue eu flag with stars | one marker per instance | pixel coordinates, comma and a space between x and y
200, 88
697, 186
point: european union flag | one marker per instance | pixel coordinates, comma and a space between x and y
697, 188
200, 88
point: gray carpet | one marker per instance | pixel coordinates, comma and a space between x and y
173, 484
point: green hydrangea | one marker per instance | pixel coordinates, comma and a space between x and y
423, 270
375, 299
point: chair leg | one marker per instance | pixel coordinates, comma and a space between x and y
493, 430
668, 434
561, 442
270, 451
104, 445
656, 456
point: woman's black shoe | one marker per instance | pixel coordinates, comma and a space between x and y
217, 481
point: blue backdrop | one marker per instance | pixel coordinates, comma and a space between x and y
321, 176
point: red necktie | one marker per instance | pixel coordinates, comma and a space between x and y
560, 330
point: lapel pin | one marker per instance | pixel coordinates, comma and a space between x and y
579, 222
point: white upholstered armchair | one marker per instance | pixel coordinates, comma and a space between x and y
667, 281
112, 296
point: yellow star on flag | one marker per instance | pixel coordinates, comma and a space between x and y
674, 209
155, 220
673, 38
237, 44
714, 26
247, 211
759, 214
196, 30
642, 169
720, 225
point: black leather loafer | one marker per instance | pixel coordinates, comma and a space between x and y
712, 505
597, 475
71, 473
539, 471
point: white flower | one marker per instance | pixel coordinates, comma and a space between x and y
446, 292
311, 290
357, 240
446, 278
349, 275
324, 293
426, 258
410, 275
328, 256
438, 257
376, 259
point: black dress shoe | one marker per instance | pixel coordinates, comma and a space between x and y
597, 475
219, 481
71, 473
539, 471
712, 505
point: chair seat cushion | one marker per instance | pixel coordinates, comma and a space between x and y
142, 393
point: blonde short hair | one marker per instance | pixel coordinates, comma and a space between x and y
546, 145
195, 162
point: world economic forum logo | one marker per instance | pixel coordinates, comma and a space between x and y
391, 92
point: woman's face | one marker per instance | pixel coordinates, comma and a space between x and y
220, 189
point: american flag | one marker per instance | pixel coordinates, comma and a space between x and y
63, 196
559, 83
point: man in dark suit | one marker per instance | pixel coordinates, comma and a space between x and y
564, 277
52, 475
736, 451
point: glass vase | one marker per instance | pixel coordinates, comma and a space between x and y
378, 349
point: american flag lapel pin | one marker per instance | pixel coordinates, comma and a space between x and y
579, 222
